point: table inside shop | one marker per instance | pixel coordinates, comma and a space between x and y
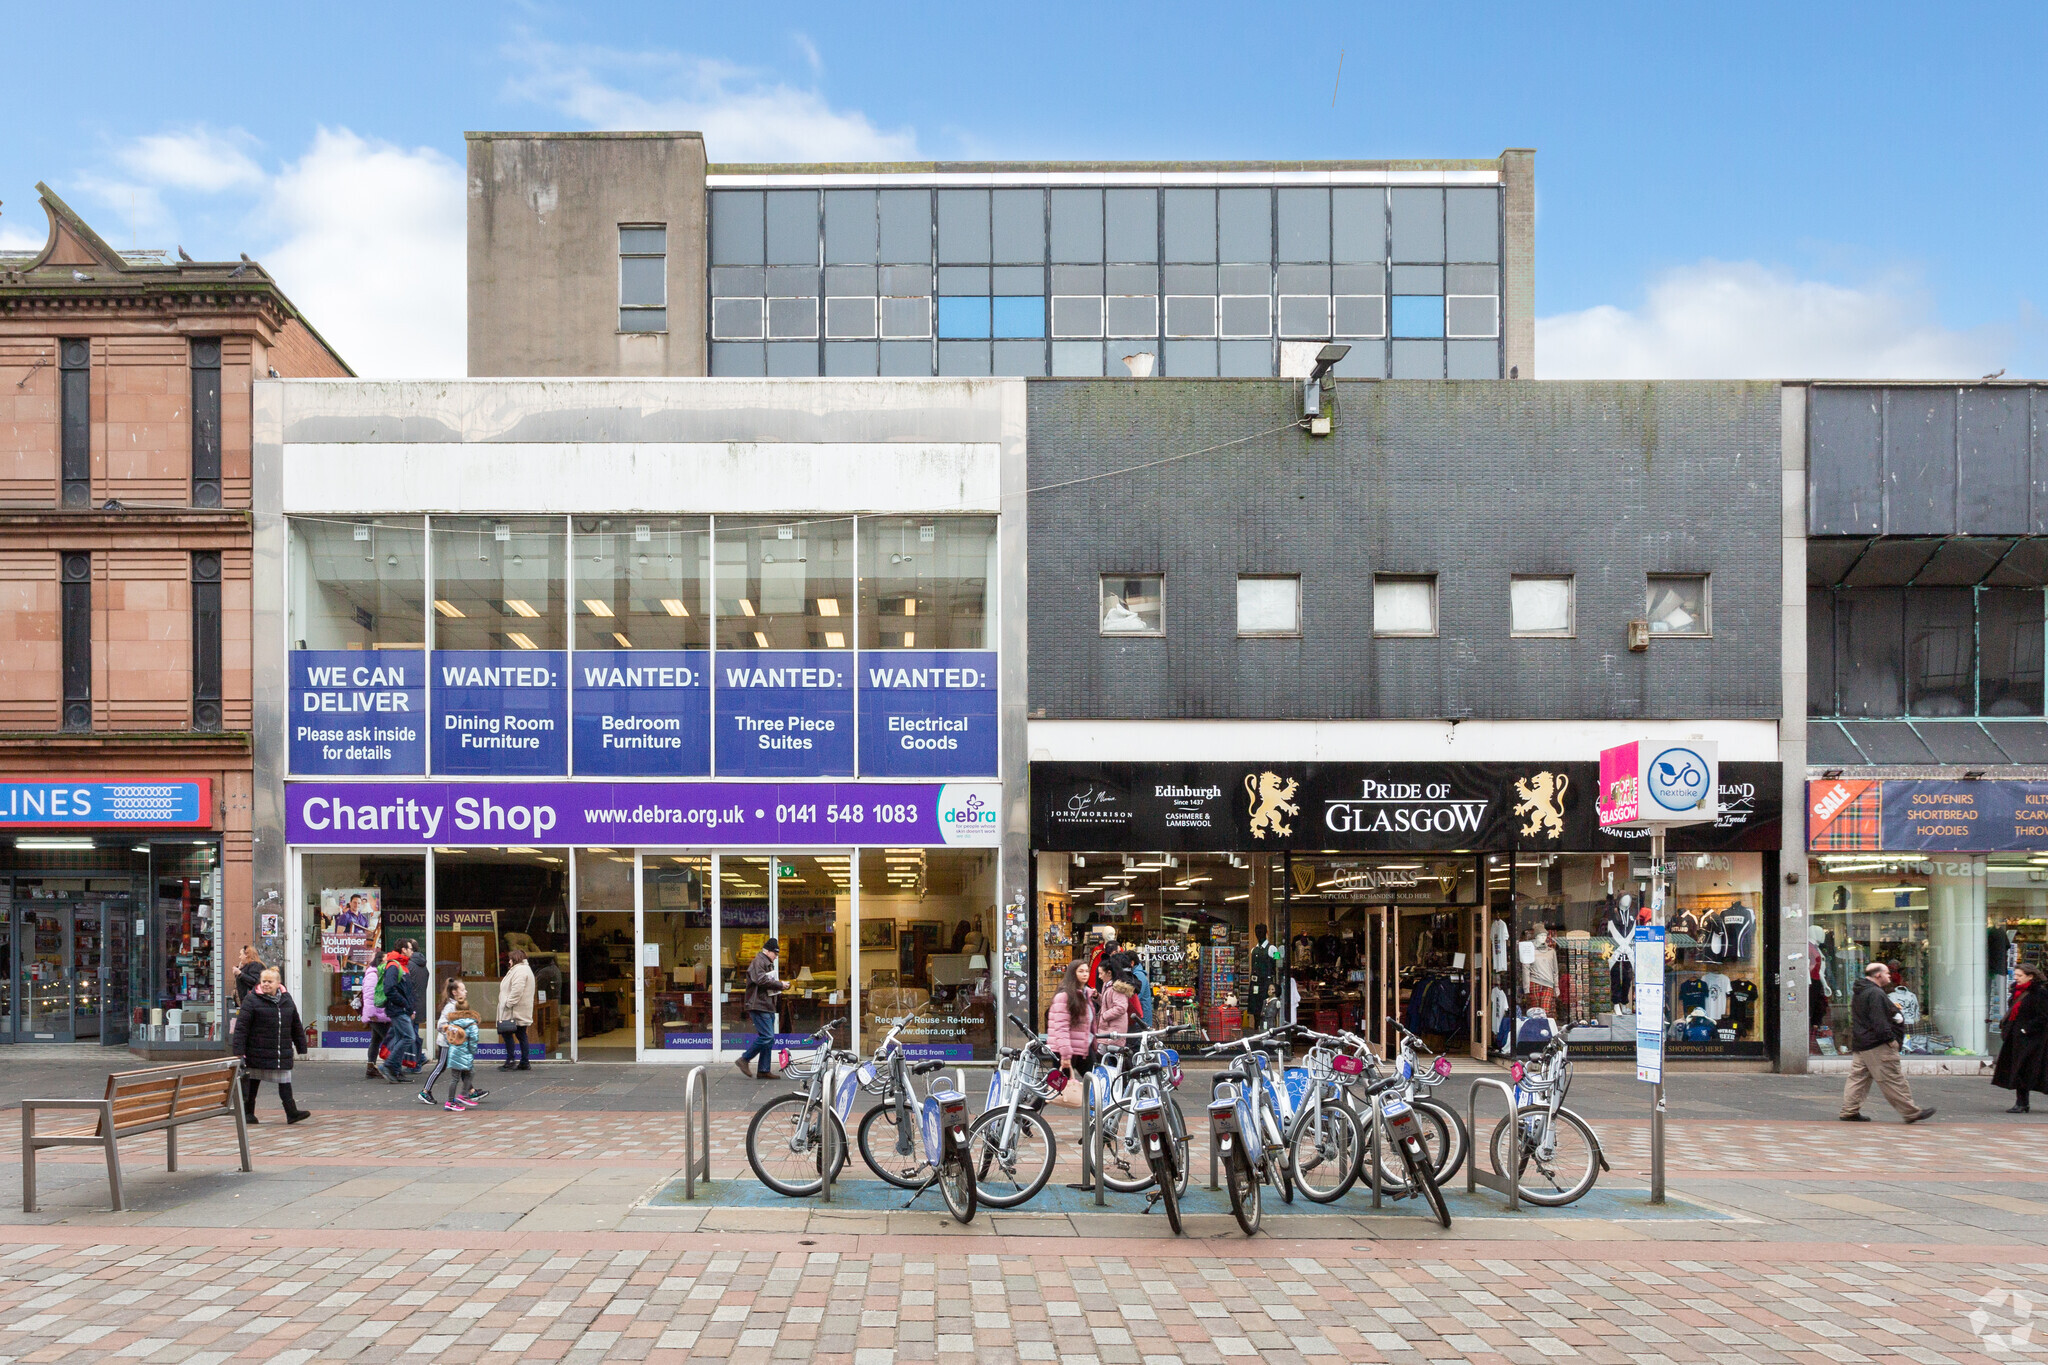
807, 1014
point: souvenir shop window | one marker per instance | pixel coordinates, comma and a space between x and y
348, 897
1190, 918
1573, 922
1890, 908
928, 947
2015, 931
1713, 985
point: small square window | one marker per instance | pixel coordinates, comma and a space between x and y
1472, 315
1360, 315
1418, 316
1305, 316
1133, 604
1403, 604
793, 319
1540, 604
1678, 604
1268, 604
850, 319
1019, 317
1131, 315
1191, 315
908, 319
1247, 315
963, 317
736, 319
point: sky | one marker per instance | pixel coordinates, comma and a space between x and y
1724, 190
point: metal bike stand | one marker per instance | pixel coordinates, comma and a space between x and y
1509, 1184
1372, 1156
1095, 1141
1215, 1083
696, 1149
828, 1146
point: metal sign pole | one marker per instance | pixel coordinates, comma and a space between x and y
1657, 1091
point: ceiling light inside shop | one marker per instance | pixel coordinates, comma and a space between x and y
597, 606
1192, 881
828, 606
834, 640
674, 606
760, 640
447, 608
1245, 897
521, 639
746, 607
525, 608
32, 841
624, 643
1896, 889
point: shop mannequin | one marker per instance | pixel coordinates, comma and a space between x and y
1621, 921
1542, 970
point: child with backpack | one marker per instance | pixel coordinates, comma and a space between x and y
459, 1034
456, 997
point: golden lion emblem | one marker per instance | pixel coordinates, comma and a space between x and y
1542, 804
1271, 798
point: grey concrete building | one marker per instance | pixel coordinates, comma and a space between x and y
626, 254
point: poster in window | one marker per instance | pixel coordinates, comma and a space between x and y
351, 920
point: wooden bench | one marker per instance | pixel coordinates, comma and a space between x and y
156, 1099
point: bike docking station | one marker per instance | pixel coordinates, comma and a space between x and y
1656, 787
1508, 1183
696, 1131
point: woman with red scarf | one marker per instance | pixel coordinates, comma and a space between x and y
2023, 1051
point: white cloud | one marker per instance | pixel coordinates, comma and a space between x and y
743, 114
369, 243
193, 159
1741, 320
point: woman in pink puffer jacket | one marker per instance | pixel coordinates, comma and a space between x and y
1070, 1021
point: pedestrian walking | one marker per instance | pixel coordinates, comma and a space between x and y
403, 1035
1876, 1028
456, 996
248, 972
267, 1032
418, 980
1113, 1005
515, 1010
1070, 1026
458, 1037
376, 1016
763, 985
2023, 1047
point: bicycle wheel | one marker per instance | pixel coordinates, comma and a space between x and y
1124, 1168
1005, 1179
1424, 1179
782, 1145
1169, 1182
1323, 1152
956, 1187
1445, 1134
905, 1172
1561, 1162
1177, 1126
1245, 1200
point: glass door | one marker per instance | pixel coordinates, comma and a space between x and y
7, 1013
87, 1003
746, 917
46, 974
678, 967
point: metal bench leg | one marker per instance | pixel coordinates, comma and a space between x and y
28, 1159
242, 1137
114, 1169
171, 1148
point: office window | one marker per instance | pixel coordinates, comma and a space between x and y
793, 319
1131, 224
1133, 604
206, 640
1418, 316
2009, 651
792, 227
849, 227
1677, 604
1246, 315
643, 278
736, 228
1020, 317
737, 319
1017, 225
908, 319
1269, 604
1131, 315
74, 378
1358, 315
1190, 315
1472, 316
963, 318
1304, 315
205, 421
75, 606
1077, 315
1540, 604
1404, 604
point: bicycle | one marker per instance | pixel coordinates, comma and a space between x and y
789, 1131
1555, 1143
1326, 1140
1131, 1076
1229, 1126
1268, 1112
1394, 1118
943, 1129
1011, 1146
1440, 1121
888, 1074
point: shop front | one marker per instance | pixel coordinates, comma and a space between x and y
112, 932
1457, 897
1944, 881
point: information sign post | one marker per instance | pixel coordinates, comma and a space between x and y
1649, 786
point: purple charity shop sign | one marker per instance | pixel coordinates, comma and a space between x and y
698, 814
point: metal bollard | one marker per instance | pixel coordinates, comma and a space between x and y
1509, 1184
1095, 1137
696, 1150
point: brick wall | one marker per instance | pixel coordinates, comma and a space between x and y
297, 355
240, 358
1471, 481
31, 646
236, 642
142, 420
142, 640
28, 422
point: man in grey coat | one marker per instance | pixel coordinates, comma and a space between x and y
762, 988
1877, 1027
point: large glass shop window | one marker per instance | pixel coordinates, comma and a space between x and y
1922, 915
501, 629
928, 667
641, 673
785, 613
356, 907
928, 927
677, 964
511, 899
358, 627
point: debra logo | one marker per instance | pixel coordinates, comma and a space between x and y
968, 813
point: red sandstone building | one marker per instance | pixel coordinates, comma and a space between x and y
125, 692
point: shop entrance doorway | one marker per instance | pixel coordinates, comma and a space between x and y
69, 959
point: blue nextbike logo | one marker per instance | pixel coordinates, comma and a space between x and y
1678, 779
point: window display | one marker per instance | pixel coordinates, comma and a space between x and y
677, 964
519, 898
928, 949
1924, 917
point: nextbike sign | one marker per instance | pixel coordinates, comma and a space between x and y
698, 814
1644, 783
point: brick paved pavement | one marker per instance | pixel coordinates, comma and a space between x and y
519, 1232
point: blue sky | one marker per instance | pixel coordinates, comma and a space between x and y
1726, 189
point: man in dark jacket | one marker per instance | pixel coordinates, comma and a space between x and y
404, 1035
417, 982
762, 987
1877, 1027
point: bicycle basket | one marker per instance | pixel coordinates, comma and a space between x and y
804, 1066
1032, 1072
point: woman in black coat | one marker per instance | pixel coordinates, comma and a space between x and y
267, 1033
2023, 1053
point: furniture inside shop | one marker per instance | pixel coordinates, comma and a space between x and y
157, 1099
